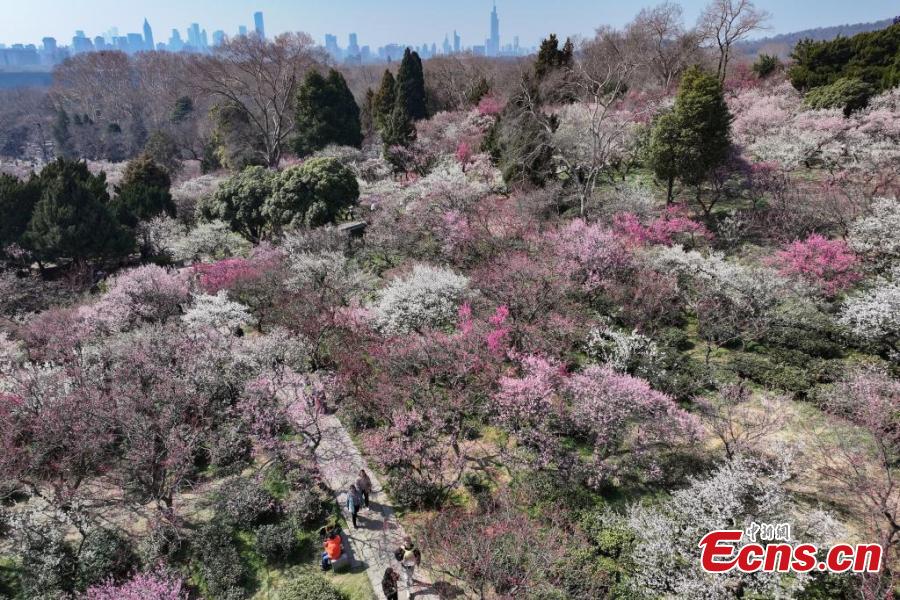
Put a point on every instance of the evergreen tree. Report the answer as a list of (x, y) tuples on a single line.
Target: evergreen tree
[(398, 129), (385, 99), (550, 57), (143, 193), (326, 113), (520, 143), (694, 138), (184, 106), (72, 219), (411, 85), (367, 114), (17, 200), (61, 135)]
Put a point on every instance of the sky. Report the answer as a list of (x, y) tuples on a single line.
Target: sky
[(379, 22)]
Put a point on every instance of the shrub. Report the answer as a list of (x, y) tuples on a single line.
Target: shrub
[(310, 587), (229, 451), (217, 312), (276, 542), (308, 505), (243, 503), (219, 561), (104, 555), (848, 94), (47, 565)]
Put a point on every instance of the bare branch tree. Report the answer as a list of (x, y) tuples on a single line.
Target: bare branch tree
[(725, 22), (670, 49), (259, 78)]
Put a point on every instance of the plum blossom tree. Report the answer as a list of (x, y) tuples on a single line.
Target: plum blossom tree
[(876, 237), (737, 423), (861, 460), (829, 265), (217, 312), (874, 314), (666, 555), (156, 585), (426, 298), (148, 294)]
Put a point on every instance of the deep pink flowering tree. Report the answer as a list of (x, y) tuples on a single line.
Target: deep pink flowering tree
[(156, 585), (490, 106), (671, 227), (463, 154), (829, 265)]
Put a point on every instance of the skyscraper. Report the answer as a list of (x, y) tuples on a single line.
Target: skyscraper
[(258, 23), (194, 36), (353, 46), (457, 42), (242, 30), (218, 37), (148, 36), (493, 43)]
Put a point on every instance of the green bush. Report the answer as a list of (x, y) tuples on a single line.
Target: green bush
[(244, 503), (47, 566), (218, 560), (310, 587), (229, 451), (848, 94), (104, 555), (278, 542)]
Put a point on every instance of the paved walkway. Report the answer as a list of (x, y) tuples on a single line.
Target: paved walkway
[(379, 532)]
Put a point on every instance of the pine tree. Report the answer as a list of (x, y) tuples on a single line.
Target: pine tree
[(73, 219), (367, 113), (326, 113), (61, 134), (550, 57), (411, 85), (694, 138), (385, 99), (398, 128)]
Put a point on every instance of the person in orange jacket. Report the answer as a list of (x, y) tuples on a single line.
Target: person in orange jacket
[(333, 550)]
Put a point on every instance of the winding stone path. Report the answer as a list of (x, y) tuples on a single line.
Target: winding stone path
[(372, 545)]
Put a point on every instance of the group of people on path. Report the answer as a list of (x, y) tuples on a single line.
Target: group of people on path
[(407, 555)]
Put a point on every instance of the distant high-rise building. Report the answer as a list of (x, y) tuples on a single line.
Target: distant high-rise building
[(81, 43), (49, 44), (204, 40), (194, 36), (457, 43), (218, 38), (175, 41), (100, 43), (492, 46), (353, 46), (258, 24), (242, 30), (331, 46), (149, 44), (135, 42), (446, 46)]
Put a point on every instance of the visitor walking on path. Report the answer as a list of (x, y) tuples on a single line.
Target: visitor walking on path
[(410, 558), (354, 501), (364, 485), (389, 584)]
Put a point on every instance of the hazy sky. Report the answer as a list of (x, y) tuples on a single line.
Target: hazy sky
[(378, 22)]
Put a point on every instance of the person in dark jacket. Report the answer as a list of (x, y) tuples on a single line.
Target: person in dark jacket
[(389, 584), (354, 502), (364, 485)]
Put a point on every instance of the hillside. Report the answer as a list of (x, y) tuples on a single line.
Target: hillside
[(783, 43)]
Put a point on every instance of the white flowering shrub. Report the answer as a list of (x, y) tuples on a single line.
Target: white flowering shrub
[(217, 312), (666, 556), (623, 351), (209, 241), (876, 237), (426, 298), (874, 315)]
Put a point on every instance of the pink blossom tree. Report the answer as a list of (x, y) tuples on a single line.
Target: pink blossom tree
[(829, 265), (156, 585)]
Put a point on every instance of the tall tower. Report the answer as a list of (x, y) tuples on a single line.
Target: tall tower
[(493, 48), (258, 24), (148, 36)]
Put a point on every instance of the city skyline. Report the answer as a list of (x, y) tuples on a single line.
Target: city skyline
[(380, 25), (198, 39)]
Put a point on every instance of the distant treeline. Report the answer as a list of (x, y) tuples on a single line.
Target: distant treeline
[(788, 40)]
